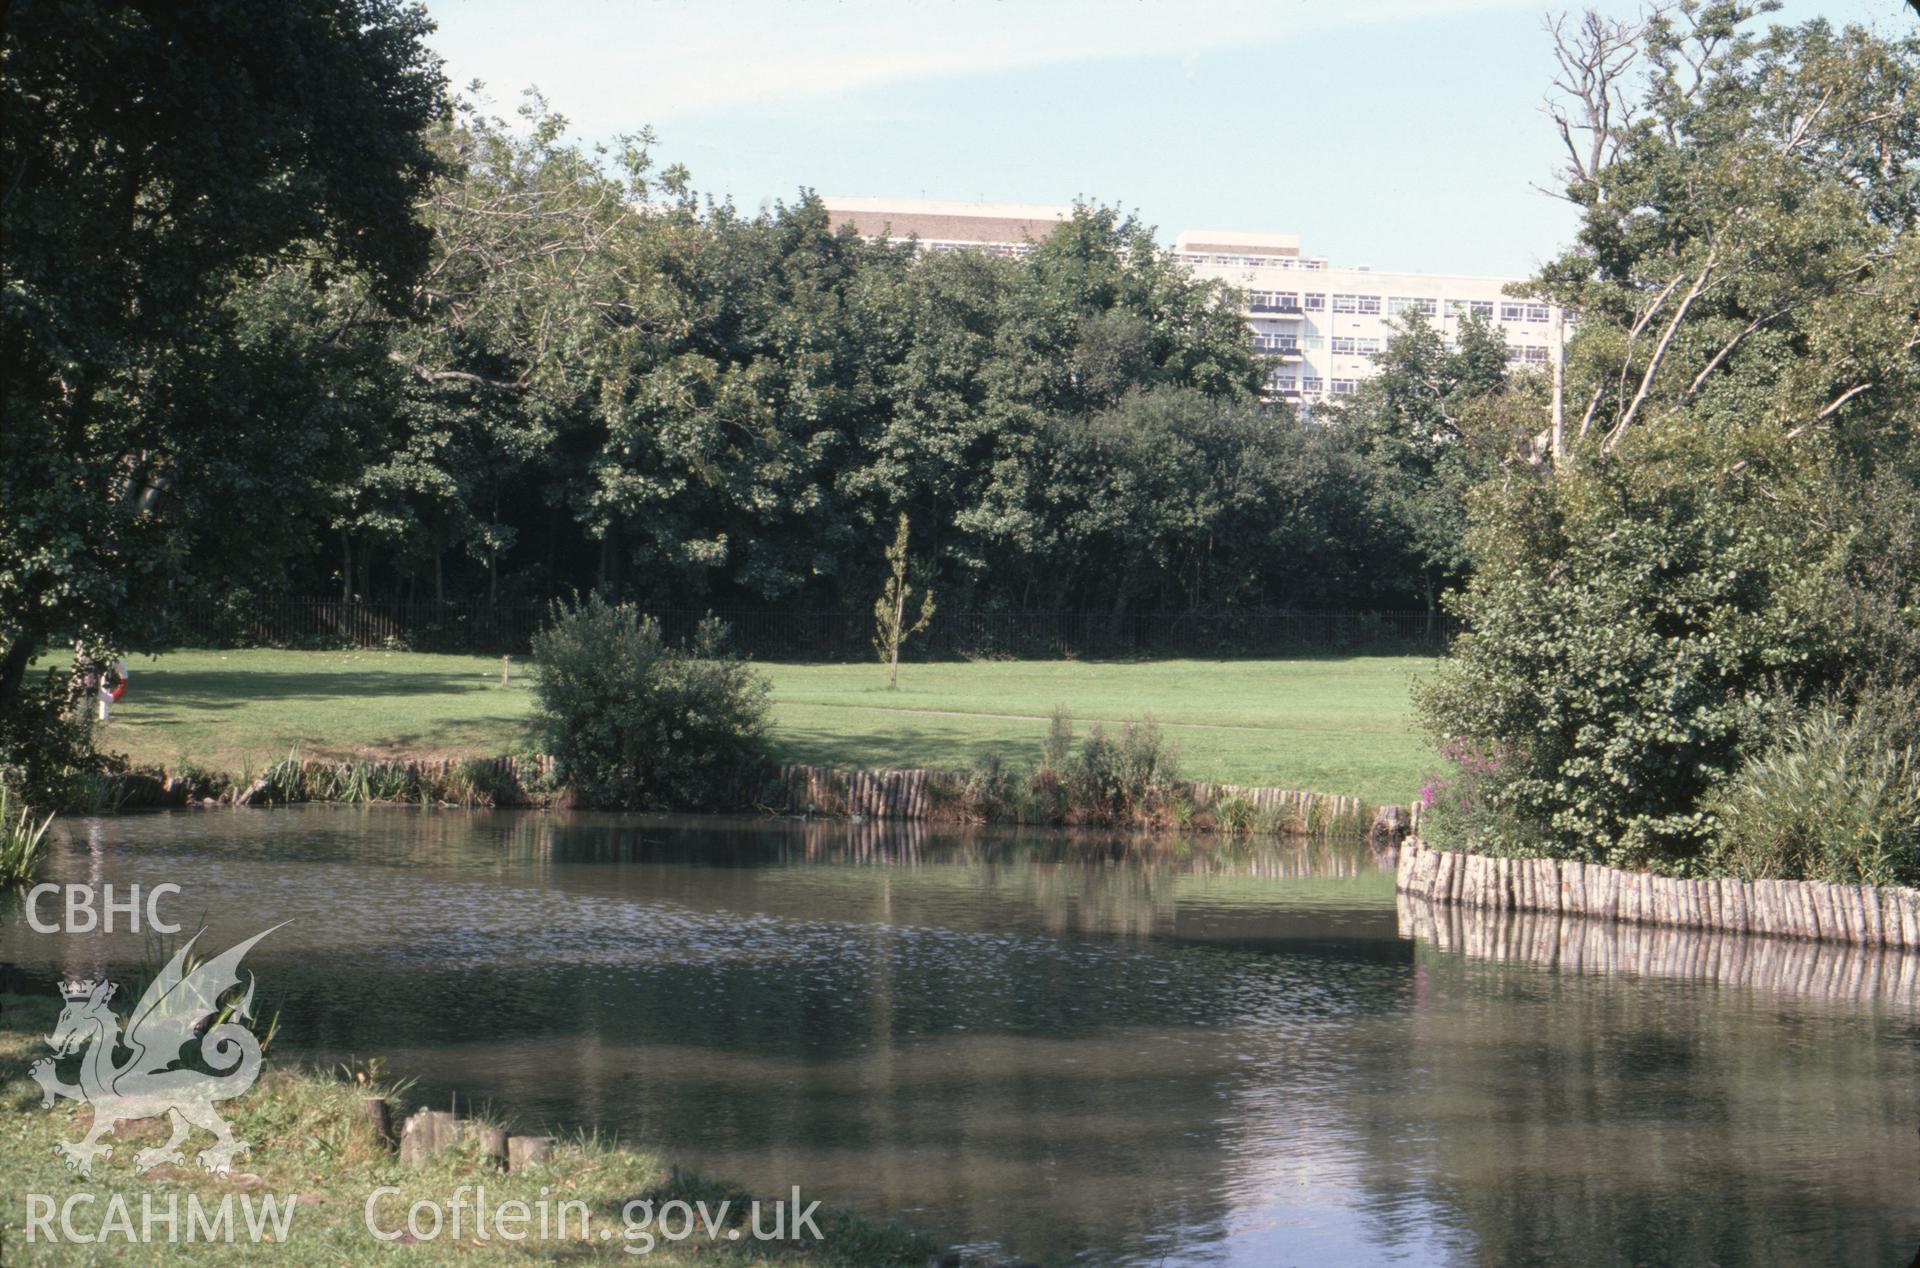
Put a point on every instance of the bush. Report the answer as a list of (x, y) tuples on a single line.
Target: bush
[(1629, 635), (633, 722), (1644, 638), (1058, 746), (1126, 777), (47, 756), (1831, 799)]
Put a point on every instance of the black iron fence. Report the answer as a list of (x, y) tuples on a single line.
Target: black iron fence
[(792, 634)]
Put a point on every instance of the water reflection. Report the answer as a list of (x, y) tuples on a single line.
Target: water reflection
[(1852, 977), (1666, 1070), (1072, 1046)]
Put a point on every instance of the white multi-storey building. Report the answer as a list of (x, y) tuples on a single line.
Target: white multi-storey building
[(1320, 326), (1323, 325)]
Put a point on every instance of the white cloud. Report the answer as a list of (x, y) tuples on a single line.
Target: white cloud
[(610, 65)]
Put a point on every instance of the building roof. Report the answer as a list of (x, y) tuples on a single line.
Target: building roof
[(943, 221), (1237, 241)]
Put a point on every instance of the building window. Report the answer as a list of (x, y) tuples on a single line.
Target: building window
[(1342, 346), (1368, 304), (1367, 347), (1399, 304), (1342, 387), (1313, 303), (1478, 307), (1281, 382), (1523, 312), (1309, 383), (1275, 343), (1314, 342), (1536, 355), (1273, 302)]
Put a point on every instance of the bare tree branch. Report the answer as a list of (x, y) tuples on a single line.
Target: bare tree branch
[(1828, 412), (1726, 349), (1589, 106), (1586, 419), (1660, 353), (1832, 407), (425, 375)]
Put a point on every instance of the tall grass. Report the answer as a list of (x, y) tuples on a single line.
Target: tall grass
[(22, 844), (1832, 799), (466, 783), (1126, 779)]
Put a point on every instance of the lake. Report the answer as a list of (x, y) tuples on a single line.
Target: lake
[(1114, 1050)]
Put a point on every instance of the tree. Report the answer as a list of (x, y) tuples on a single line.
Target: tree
[(891, 630), (1175, 500), (160, 159), (1429, 426), (1698, 568)]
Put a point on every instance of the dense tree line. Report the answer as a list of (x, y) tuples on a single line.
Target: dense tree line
[(330, 330), (607, 383)]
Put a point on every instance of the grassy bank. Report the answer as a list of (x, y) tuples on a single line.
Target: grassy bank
[(309, 1140), (1337, 724)]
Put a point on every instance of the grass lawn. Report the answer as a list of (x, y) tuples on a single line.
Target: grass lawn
[(1334, 724), (309, 1145)]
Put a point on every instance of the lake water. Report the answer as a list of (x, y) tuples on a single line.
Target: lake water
[(1066, 1048)]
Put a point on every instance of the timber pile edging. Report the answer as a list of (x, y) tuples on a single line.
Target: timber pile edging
[(909, 794), (1887, 915)]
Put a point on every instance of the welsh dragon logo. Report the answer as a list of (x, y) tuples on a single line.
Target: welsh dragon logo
[(152, 1081)]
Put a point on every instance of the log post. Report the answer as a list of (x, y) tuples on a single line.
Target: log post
[(379, 1116), (525, 1151), (426, 1133), (493, 1141)]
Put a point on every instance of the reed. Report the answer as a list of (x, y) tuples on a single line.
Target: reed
[(22, 842)]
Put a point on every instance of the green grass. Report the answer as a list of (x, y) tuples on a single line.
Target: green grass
[(1333, 724), (1338, 725), (307, 1139)]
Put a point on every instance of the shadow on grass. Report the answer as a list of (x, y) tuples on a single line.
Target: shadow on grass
[(231, 689), (904, 747)]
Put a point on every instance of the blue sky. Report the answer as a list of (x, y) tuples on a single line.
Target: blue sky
[(1400, 134)]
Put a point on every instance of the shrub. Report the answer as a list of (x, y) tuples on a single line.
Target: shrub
[(47, 755), (1628, 632), (1058, 746), (1125, 777), (635, 722), (1831, 799)]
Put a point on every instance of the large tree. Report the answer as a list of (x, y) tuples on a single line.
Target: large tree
[(1716, 544), (160, 161)]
